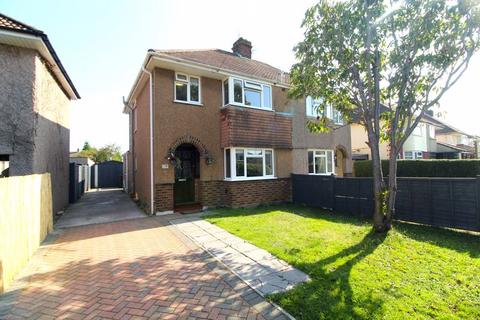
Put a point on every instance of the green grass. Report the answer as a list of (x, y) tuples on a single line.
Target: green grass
[(414, 272)]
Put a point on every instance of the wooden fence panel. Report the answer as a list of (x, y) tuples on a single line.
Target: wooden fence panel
[(25, 220), (442, 202)]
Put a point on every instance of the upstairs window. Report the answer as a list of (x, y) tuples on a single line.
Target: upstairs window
[(313, 110), (247, 93), (248, 163), (187, 88), (320, 162), (431, 131)]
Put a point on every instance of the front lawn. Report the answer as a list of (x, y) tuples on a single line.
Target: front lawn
[(413, 272)]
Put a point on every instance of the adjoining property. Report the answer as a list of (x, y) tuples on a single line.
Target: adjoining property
[(216, 128), (35, 93)]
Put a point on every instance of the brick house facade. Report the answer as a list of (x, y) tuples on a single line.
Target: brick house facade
[(216, 128)]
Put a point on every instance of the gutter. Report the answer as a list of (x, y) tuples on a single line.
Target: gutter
[(152, 200)]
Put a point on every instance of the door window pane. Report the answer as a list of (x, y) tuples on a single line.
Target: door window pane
[(237, 91), (268, 163), (194, 85), (240, 162), (253, 98), (254, 167), (181, 91)]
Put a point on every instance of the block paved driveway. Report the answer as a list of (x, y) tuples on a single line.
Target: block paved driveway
[(133, 269)]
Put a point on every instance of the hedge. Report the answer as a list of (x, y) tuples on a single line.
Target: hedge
[(423, 168)]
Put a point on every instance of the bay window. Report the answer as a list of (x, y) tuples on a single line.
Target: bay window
[(187, 88), (247, 93), (320, 162), (248, 163)]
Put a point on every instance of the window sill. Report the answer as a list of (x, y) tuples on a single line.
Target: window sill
[(250, 179), (189, 103), (249, 107)]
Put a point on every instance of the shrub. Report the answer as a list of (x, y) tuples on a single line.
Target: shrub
[(423, 168)]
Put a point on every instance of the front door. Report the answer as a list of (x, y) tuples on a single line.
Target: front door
[(186, 170)]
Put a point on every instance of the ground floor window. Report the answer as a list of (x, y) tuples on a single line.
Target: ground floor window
[(248, 163), (320, 162), (412, 155)]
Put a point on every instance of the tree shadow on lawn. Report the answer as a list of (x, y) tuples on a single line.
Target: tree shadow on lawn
[(459, 241), (329, 294)]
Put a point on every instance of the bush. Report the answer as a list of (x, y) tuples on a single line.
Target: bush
[(423, 168)]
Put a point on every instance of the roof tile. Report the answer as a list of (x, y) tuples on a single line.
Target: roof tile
[(229, 61)]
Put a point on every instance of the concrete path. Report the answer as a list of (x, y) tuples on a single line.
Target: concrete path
[(261, 270), (131, 269), (100, 206)]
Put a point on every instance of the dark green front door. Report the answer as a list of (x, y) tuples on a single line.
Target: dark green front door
[(186, 170)]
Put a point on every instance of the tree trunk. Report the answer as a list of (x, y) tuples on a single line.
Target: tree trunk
[(392, 188), (379, 224)]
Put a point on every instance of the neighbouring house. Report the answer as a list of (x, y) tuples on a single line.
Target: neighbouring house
[(216, 128), (35, 93), (431, 139), (453, 143)]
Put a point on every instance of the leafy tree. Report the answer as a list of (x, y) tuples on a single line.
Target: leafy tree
[(106, 153), (384, 64), (86, 146)]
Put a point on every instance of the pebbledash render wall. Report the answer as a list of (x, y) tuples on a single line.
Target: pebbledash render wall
[(34, 114), (176, 123)]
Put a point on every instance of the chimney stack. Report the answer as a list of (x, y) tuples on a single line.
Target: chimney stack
[(242, 48)]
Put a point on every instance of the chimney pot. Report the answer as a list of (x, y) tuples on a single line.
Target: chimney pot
[(243, 48)]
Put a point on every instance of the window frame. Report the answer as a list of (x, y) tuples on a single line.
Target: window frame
[(315, 156), (414, 155), (329, 111), (248, 84), (233, 163), (188, 83)]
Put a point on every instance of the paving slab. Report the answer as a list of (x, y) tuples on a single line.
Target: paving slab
[(257, 267)]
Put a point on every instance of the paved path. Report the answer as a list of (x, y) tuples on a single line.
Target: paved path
[(261, 270), (133, 269), (100, 206)]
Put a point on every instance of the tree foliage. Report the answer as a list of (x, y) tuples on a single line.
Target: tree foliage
[(105, 153), (384, 64)]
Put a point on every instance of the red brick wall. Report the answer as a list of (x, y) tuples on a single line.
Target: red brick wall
[(230, 193), (163, 197), (255, 192), (255, 128)]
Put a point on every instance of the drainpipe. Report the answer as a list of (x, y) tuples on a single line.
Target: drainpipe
[(152, 200)]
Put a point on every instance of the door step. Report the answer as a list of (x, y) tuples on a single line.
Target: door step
[(188, 208)]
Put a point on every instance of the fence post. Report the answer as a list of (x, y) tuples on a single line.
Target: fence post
[(478, 202)]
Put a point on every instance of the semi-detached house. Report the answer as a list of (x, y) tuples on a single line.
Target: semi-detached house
[(216, 128)]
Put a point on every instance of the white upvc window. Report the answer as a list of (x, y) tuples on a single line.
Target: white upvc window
[(418, 131), (249, 163), (247, 93), (187, 88), (320, 162), (313, 110), (431, 131), (413, 155)]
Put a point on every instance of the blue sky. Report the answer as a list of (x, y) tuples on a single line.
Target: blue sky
[(103, 43)]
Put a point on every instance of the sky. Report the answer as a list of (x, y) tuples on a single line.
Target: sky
[(102, 45)]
